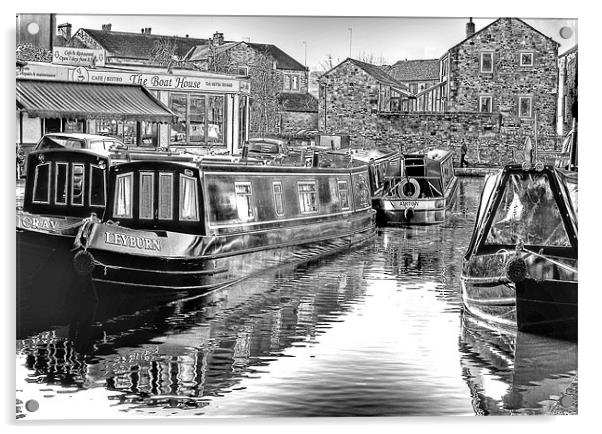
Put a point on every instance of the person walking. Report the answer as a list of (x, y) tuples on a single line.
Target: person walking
[(463, 152)]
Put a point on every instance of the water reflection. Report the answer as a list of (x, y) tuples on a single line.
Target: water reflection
[(371, 331), (514, 373)]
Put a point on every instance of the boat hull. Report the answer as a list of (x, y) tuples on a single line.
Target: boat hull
[(227, 261), (421, 211), (548, 307)]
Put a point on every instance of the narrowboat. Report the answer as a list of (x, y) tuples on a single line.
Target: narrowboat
[(422, 194), (520, 269), (206, 225), (67, 180)]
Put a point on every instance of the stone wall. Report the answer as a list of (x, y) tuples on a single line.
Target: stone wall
[(489, 144), (348, 104), (507, 38), (568, 63), (291, 122)]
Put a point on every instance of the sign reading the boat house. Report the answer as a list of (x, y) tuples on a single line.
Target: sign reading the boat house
[(161, 81)]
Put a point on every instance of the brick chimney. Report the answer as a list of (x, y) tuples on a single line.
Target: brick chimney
[(218, 38), (64, 30), (107, 27), (146, 30), (469, 28)]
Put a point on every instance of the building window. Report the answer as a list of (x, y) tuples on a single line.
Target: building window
[(294, 82), (343, 194), (189, 206), (165, 196), (486, 104), (200, 119), (244, 200), (525, 106), (444, 68), (308, 198), (77, 184), (526, 59), (278, 201), (146, 205), (123, 196), (487, 63)]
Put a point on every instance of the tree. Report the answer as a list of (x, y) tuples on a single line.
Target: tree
[(164, 52), (31, 53), (328, 63), (264, 90), (372, 58)]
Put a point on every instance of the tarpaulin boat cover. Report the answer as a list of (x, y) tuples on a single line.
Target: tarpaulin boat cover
[(73, 100)]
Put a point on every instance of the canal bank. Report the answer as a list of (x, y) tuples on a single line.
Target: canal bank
[(568, 402)]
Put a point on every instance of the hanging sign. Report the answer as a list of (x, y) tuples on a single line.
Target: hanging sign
[(78, 56)]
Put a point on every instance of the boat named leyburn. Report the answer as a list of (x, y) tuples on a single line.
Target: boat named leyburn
[(421, 193), (200, 226), (520, 270)]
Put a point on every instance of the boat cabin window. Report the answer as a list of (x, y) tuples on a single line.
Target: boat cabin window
[(308, 198), (165, 196), (278, 202), (123, 196), (58, 142), (41, 184), (98, 187), (528, 212), (244, 200), (61, 183), (343, 194), (189, 204), (77, 184), (146, 196)]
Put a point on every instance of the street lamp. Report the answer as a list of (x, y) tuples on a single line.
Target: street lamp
[(305, 46), (350, 38)]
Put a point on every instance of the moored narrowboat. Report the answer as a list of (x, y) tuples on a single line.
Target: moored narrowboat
[(520, 269), (421, 193), (200, 226)]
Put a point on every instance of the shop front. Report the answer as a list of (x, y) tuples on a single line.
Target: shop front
[(211, 110)]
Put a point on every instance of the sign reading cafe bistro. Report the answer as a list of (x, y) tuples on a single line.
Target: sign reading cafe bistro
[(160, 81)]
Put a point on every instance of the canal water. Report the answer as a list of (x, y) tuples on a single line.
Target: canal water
[(378, 330)]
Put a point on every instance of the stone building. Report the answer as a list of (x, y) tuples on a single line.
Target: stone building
[(507, 67), (567, 90), (417, 75), (280, 99), (490, 87), (352, 94)]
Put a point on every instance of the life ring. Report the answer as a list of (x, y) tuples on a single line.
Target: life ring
[(401, 187)]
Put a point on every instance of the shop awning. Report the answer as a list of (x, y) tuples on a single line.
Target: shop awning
[(73, 100)]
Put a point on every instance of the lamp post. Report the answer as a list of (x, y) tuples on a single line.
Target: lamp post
[(350, 39), (305, 47)]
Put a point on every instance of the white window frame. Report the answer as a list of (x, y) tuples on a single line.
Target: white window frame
[(56, 183), (194, 218), (294, 82), (35, 185), (530, 98), (128, 214), (161, 216), (481, 98), (83, 187), (281, 195), (301, 194), (346, 190), (520, 57), (104, 186), (251, 200), (483, 54), (142, 174)]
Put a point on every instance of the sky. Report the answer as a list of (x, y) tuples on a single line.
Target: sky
[(318, 37)]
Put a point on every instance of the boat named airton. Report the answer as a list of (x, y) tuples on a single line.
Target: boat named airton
[(200, 226), (421, 193)]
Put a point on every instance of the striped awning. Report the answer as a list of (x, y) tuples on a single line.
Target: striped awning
[(73, 100)]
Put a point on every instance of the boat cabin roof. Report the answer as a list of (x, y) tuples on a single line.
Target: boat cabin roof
[(530, 207)]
